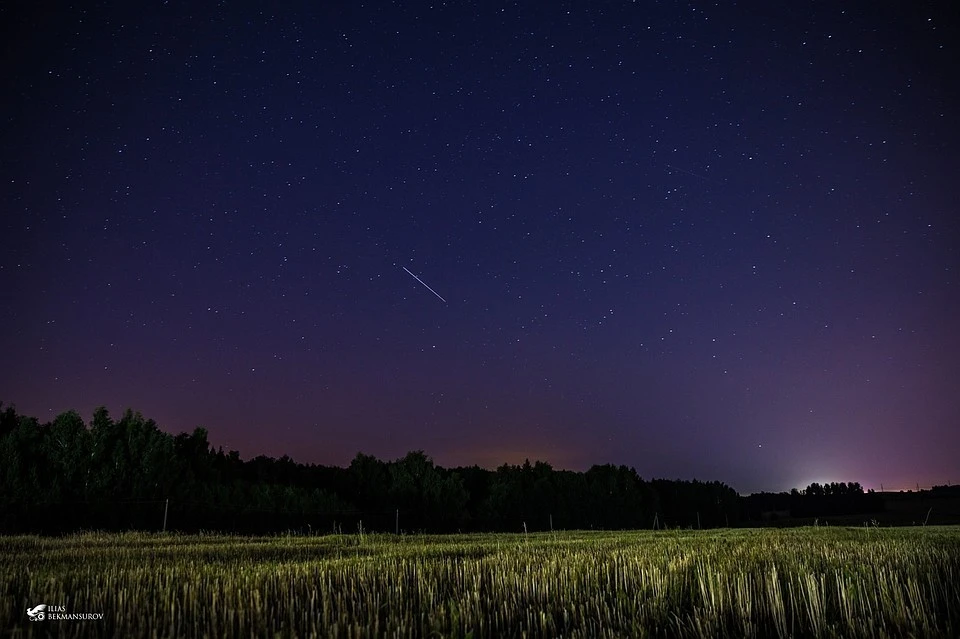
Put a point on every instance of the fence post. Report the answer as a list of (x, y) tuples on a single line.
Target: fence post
[(166, 507)]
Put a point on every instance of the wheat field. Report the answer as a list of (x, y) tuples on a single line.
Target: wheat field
[(805, 582)]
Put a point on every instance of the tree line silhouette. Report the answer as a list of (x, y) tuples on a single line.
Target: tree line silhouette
[(128, 474)]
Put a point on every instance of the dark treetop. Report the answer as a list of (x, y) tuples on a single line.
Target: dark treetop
[(120, 474)]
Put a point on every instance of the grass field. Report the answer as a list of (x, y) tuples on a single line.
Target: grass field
[(843, 582)]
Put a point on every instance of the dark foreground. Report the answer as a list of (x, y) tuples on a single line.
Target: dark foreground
[(843, 582)]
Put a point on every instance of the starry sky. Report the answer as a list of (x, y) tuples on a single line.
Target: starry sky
[(706, 241)]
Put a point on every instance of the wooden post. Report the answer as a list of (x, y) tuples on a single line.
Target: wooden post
[(396, 524), (166, 507), (551, 522), (698, 520)]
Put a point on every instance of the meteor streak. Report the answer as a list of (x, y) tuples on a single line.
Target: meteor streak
[(424, 283)]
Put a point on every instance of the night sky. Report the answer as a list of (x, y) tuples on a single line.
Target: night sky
[(713, 242)]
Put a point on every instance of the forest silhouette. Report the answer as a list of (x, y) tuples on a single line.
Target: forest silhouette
[(127, 474)]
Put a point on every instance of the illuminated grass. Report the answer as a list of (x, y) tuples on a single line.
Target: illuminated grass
[(765, 583)]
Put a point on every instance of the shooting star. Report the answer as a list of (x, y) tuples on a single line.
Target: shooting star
[(424, 283)]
